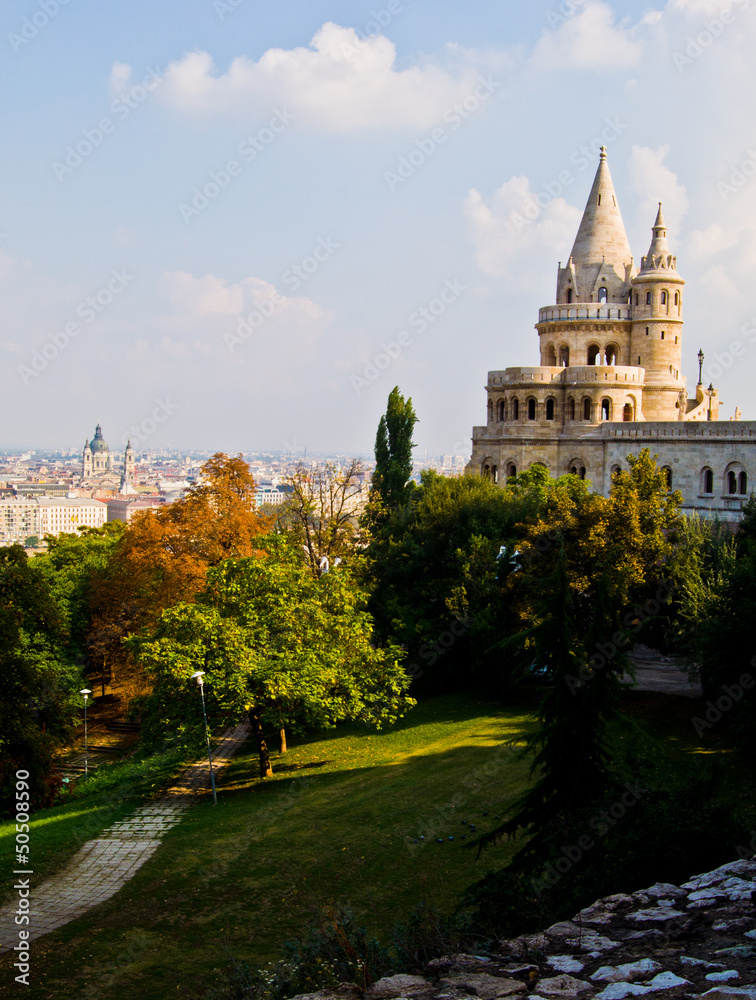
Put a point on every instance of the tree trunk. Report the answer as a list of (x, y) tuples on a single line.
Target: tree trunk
[(266, 771), (283, 740)]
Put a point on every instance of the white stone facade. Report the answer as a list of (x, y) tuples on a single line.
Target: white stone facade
[(610, 382)]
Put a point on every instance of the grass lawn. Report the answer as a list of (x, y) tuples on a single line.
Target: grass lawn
[(337, 823)]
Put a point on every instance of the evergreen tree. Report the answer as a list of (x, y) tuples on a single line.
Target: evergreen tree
[(393, 451)]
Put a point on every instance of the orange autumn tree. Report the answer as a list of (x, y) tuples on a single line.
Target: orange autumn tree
[(164, 554)]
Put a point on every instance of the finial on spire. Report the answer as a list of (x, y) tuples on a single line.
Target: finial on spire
[(603, 153)]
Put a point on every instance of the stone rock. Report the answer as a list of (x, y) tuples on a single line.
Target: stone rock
[(722, 977), (565, 928), (565, 963), (726, 992), (618, 991), (460, 962), (667, 980), (590, 941), (659, 915), (484, 986), (700, 963), (665, 890), (562, 986), (629, 972), (397, 986)]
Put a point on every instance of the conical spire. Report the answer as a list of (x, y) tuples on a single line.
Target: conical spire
[(658, 253), (602, 235)]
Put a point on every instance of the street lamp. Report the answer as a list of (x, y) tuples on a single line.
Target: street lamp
[(197, 675), (86, 692), (700, 366)]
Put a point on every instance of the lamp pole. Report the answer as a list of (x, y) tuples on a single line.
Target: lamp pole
[(198, 677), (86, 692), (700, 366)]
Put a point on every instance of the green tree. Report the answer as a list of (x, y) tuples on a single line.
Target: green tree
[(287, 648), (588, 561), (393, 452), (38, 680)]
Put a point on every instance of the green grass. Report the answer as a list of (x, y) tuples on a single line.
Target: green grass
[(335, 824), (110, 793)]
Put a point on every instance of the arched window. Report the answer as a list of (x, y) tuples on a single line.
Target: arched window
[(742, 483), (549, 409), (502, 410), (611, 354), (627, 412), (581, 473), (664, 298), (586, 409), (606, 409), (707, 481), (677, 298), (603, 295), (569, 295), (511, 471), (636, 298), (531, 409), (490, 411), (616, 470), (571, 408), (495, 473), (732, 483), (551, 356), (668, 476), (594, 354), (648, 298), (487, 471), (564, 356), (515, 409)]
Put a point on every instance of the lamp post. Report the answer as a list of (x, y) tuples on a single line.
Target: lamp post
[(198, 675), (86, 692), (700, 366)]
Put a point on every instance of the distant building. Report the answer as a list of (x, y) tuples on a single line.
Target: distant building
[(275, 495), (21, 518), (123, 508), (98, 466)]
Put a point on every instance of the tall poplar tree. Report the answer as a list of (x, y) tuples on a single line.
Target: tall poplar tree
[(393, 451)]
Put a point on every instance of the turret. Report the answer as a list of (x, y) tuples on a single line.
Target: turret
[(656, 339)]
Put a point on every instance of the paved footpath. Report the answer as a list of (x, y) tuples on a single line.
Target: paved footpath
[(99, 869)]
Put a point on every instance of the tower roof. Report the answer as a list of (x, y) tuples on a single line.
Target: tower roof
[(602, 235), (659, 254), (98, 443)]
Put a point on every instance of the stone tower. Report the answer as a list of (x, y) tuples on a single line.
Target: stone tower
[(656, 339)]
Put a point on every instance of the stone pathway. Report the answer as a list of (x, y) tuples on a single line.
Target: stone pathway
[(99, 869), (656, 672)]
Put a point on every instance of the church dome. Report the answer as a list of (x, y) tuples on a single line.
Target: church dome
[(98, 443)]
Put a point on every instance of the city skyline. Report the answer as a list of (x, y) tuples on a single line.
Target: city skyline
[(255, 221)]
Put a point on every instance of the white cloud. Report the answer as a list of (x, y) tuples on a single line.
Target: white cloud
[(653, 181), (520, 231), (340, 82), (120, 75), (589, 40)]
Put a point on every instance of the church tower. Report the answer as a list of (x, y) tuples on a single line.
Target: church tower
[(86, 463), (656, 340)]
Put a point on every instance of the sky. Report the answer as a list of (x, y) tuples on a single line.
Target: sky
[(235, 225)]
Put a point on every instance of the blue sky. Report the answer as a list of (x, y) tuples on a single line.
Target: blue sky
[(351, 180)]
